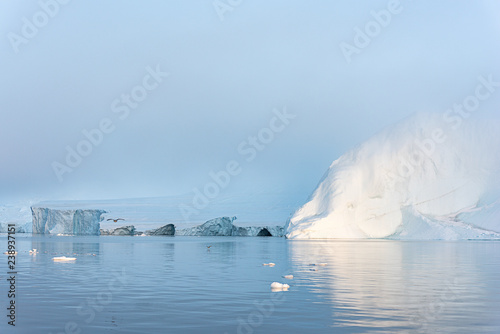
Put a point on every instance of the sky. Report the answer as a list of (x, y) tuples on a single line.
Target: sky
[(126, 99)]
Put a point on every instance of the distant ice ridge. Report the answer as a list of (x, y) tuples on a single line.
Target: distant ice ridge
[(253, 208), (18, 214), (223, 226), (20, 228), (423, 178)]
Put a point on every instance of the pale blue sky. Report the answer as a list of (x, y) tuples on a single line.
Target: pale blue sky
[(225, 78)]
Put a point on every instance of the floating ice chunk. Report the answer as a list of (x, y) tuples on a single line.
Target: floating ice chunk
[(64, 259), (270, 264), (288, 276), (276, 286)]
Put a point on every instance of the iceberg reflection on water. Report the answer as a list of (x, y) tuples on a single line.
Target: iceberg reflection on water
[(357, 285)]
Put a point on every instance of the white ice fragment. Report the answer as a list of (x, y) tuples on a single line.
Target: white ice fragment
[(276, 286), (64, 259), (288, 276), (270, 264)]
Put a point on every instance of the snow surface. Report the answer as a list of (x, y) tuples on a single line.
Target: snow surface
[(420, 179)]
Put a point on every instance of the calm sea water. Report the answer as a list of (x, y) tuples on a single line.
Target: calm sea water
[(178, 285)]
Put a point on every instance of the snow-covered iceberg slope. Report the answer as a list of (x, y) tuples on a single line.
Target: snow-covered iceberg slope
[(423, 178), (60, 221)]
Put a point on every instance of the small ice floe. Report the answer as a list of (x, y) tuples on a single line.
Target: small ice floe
[(7, 253), (322, 264), (270, 264), (33, 251), (288, 276), (276, 286), (63, 259)]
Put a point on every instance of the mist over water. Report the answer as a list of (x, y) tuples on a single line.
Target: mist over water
[(164, 134)]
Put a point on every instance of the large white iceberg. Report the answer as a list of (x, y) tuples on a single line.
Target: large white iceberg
[(423, 178)]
